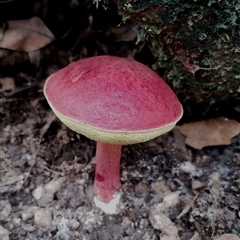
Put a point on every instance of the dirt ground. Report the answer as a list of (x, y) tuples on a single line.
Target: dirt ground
[(169, 190)]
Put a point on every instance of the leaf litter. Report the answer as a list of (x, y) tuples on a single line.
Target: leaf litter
[(212, 132), (26, 35)]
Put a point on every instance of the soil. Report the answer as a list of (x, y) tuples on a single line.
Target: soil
[(169, 190)]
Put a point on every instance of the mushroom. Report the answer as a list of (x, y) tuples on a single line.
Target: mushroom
[(114, 101)]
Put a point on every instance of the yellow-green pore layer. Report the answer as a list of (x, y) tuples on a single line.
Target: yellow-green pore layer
[(113, 137)]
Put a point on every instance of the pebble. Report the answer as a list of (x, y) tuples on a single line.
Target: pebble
[(170, 233), (146, 236), (7, 208), (143, 223), (142, 188), (76, 201), (42, 217), (190, 169), (38, 192), (57, 207), (161, 221), (158, 219), (28, 227), (126, 221), (4, 233), (44, 194), (14, 202), (161, 188), (27, 190), (171, 200), (63, 229), (26, 213), (10, 226), (226, 236), (88, 218), (17, 222), (45, 199), (54, 185), (73, 224)]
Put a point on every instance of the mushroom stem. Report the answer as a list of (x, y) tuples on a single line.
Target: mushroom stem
[(107, 173)]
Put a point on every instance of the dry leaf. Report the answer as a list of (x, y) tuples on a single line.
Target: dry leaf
[(34, 57), (7, 84), (126, 32), (188, 207), (8, 58), (226, 237), (197, 186), (26, 35), (210, 132)]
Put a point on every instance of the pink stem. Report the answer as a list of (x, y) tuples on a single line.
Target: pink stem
[(107, 173)]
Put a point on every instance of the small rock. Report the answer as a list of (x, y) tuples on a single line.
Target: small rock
[(142, 188), (6, 210), (17, 222), (54, 185), (158, 219), (88, 218), (76, 201), (170, 200), (10, 226), (161, 188), (42, 217), (14, 202), (11, 182), (190, 169), (146, 236), (28, 227), (170, 233), (57, 207), (45, 199), (38, 192), (4, 233), (26, 213), (226, 237), (126, 221), (27, 190), (73, 224), (63, 229)]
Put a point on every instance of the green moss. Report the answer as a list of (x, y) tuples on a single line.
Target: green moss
[(199, 44)]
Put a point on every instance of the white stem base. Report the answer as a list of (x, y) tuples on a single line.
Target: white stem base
[(111, 207)]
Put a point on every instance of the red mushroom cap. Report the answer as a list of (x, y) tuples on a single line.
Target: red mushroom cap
[(112, 99)]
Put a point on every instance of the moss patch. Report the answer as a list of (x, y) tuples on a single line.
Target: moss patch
[(199, 46)]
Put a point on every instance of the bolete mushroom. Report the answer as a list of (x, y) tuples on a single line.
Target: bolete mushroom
[(114, 101)]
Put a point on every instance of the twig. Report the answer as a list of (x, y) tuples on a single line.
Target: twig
[(187, 207)]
